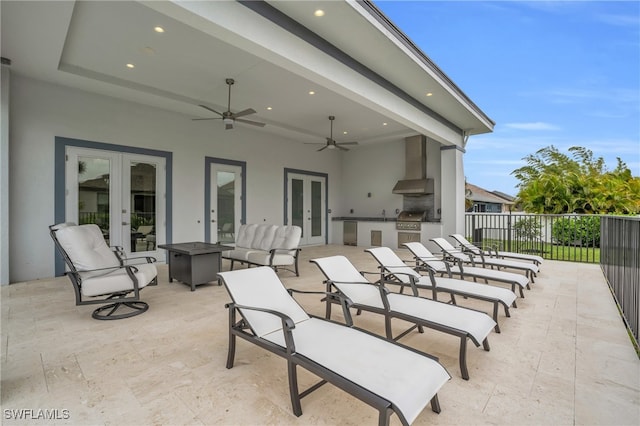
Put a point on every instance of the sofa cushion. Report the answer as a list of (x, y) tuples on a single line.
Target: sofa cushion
[(263, 238), (238, 254), (262, 258), (119, 280), (287, 237), (245, 235)]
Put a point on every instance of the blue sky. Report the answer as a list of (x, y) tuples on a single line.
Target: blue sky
[(562, 73)]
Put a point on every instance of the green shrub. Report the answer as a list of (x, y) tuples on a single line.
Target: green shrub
[(579, 231)]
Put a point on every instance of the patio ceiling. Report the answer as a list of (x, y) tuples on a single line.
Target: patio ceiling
[(86, 45)]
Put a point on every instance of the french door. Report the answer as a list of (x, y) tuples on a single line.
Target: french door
[(225, 209), (124, 194), (306, 206)]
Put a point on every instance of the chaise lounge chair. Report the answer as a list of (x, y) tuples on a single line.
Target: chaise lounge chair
[(466, 324), (392, 266), (485, 261), (386, 375), (424, 258), (537, 260)]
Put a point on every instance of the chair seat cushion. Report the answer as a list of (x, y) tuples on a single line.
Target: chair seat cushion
[(118, 280), (506, 296), (262, 258), (494, 274), (477, 324), (238, 253), (508, 263), (406, 378), (523, 256)]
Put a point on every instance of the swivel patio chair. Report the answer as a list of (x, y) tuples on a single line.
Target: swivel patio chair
[(468, 246), (100, 275), (465, 324), (395, 271), (483, 261), (383, 374), (449, 266)]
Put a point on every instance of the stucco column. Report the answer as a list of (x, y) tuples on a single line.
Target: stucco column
[(452, 202), (4, 174)]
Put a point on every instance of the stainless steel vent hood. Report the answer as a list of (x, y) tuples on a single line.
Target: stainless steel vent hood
[(415, 181)]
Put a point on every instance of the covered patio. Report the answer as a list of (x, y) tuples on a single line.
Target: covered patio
[(563, 358)]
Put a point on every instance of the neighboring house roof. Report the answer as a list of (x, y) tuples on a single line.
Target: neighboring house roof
[(475, 193)]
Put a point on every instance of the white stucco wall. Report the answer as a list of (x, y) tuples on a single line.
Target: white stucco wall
[(41, 111)]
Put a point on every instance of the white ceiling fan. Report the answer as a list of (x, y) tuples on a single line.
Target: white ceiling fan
[(228, 117), (331, 143)]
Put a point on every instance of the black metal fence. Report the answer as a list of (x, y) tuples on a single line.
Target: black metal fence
[(569, 237), (611, 241), (620, 262)]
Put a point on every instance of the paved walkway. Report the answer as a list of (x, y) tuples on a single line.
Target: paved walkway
[(563, 358)]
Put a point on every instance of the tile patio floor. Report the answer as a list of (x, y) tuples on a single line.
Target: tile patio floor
[(563, 358)]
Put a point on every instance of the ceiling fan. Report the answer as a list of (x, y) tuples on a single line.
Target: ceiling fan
[(331, 143), (228, 117)]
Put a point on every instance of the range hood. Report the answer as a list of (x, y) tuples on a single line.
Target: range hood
[(415, 181)]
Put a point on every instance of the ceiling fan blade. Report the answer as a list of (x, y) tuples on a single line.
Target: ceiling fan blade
[(245, 112), (210, 109), (212, 118), (315, 143), (253, 123), (347, 143), (341, 148), (323, 148)]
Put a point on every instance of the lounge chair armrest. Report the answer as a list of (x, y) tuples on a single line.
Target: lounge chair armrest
[(345, 302), (287, 322), (284, 250), (412, 279)]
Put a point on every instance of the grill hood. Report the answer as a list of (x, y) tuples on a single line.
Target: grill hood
[(415, 181)]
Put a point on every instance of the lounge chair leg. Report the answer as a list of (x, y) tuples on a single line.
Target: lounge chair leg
[(495, 317), (485, 344), (231, 354), (231, 267), (506, 311), (435, 404), (293, 389), (514, 304), (463, 358), (385, 417), (387, 328)]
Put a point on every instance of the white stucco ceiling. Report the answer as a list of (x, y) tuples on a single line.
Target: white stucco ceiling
[(86, 45)]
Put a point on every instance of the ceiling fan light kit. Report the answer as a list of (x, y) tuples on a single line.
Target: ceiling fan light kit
[(228, 117)]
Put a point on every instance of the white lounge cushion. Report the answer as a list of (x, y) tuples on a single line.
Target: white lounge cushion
[(287, 237), (529, 257), (406, 378), (477, 324), (506, 296)]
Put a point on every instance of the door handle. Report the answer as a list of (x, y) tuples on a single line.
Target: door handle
[(124, 223)]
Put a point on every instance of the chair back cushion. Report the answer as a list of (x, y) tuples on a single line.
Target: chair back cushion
[(342, 272), (392, 263), (245, 235), (423, 253), (87, 249), (261, 288), (287, 237)]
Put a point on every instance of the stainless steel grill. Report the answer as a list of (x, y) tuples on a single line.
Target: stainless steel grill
[(410, 220)]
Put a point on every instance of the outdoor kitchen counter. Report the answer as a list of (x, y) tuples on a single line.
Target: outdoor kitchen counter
[(387, 229)]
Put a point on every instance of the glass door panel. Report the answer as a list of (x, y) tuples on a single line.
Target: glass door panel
[(94, 192), (306, 207), (226, 202), (142, 205)]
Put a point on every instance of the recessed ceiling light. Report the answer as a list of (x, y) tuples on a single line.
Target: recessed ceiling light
[(429, 94), (158, 29), (319, 13), (311, 92), (269, 108), (345, 132), (130, 66), (384, 124)]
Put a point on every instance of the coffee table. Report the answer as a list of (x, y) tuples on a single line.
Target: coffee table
[(194, 263)]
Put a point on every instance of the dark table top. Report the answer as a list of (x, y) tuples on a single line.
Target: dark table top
[(195, 248)]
